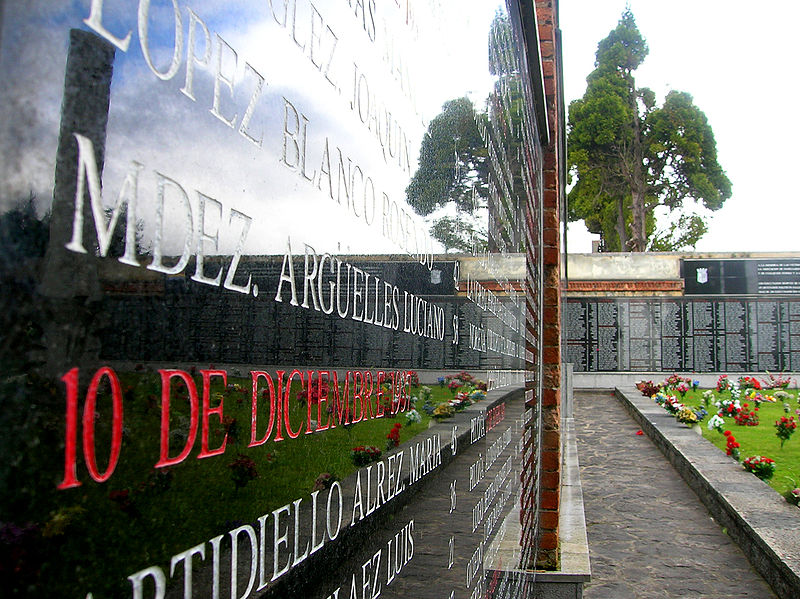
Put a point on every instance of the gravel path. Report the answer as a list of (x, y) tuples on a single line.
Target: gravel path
[(649, 535)]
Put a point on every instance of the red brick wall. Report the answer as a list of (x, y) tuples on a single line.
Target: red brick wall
[(549, 484)]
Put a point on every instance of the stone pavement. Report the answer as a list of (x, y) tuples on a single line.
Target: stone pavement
[(649, 534)]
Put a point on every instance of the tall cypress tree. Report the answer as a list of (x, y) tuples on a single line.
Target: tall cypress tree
[(627, 156)]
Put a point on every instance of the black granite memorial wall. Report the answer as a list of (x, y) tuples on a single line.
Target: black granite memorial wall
[(238, 353), (709, 334)]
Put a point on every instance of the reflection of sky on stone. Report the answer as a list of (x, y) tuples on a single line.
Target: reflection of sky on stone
[(152, 122)]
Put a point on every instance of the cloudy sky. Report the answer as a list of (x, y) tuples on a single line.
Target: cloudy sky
[(739, 63), (255, 109)]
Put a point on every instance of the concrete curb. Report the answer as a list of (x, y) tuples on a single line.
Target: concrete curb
[(759, 520)]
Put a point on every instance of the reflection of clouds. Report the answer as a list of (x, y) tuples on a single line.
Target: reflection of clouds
[(32, 65), (154, 123)]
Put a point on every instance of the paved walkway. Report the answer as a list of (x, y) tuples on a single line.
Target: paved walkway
[(649, 535)]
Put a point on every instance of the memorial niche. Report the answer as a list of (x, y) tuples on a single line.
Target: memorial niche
[(217, 293), (703, 335)]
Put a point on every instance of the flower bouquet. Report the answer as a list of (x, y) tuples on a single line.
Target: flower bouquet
[(413, 416), (425, 393), (363, 455), (443, 410), (672, 405), (460, 403), (686, 416), (413, 378), (728, 407), (746, 417), (749, 382), (731, 445), (648, 388), (700, 412), (763, 467), (785, 428), (716, 422), (393, 438), (477, 395), (324, 481), (673, 380), (776, 382), (243, 470)]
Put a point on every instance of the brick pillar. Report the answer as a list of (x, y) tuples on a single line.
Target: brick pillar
[(550, 481)]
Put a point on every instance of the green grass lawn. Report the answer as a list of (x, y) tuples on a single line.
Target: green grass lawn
[(761, 439)]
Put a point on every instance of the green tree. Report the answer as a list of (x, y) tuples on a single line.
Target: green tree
[(453, 174), (627, 156)]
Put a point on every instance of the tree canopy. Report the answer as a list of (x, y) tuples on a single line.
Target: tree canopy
[(628, 156), (453, 171)]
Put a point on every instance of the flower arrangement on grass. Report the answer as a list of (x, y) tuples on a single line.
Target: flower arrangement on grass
[(723, 383), (731, 445), (785, 428), (311, 392), (686, 416), (746, 417), (465, 376), (728, 407), (716, 422), (660, 398), (674, 380), (762, 466), (648, 388), (231, 427), (757, 397), (708, 398), (413, 416), (682, 388), (793, 496), (443, 410), (477, 395), (776, 382), (364, 454), (454, 385), (749, 382), (393, 438), (324, 481), (243, 470), (460, 402), (672, 405), (413, 378)]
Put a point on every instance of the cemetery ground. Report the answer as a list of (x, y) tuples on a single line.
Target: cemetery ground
[(649, 535), (743, 421)]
